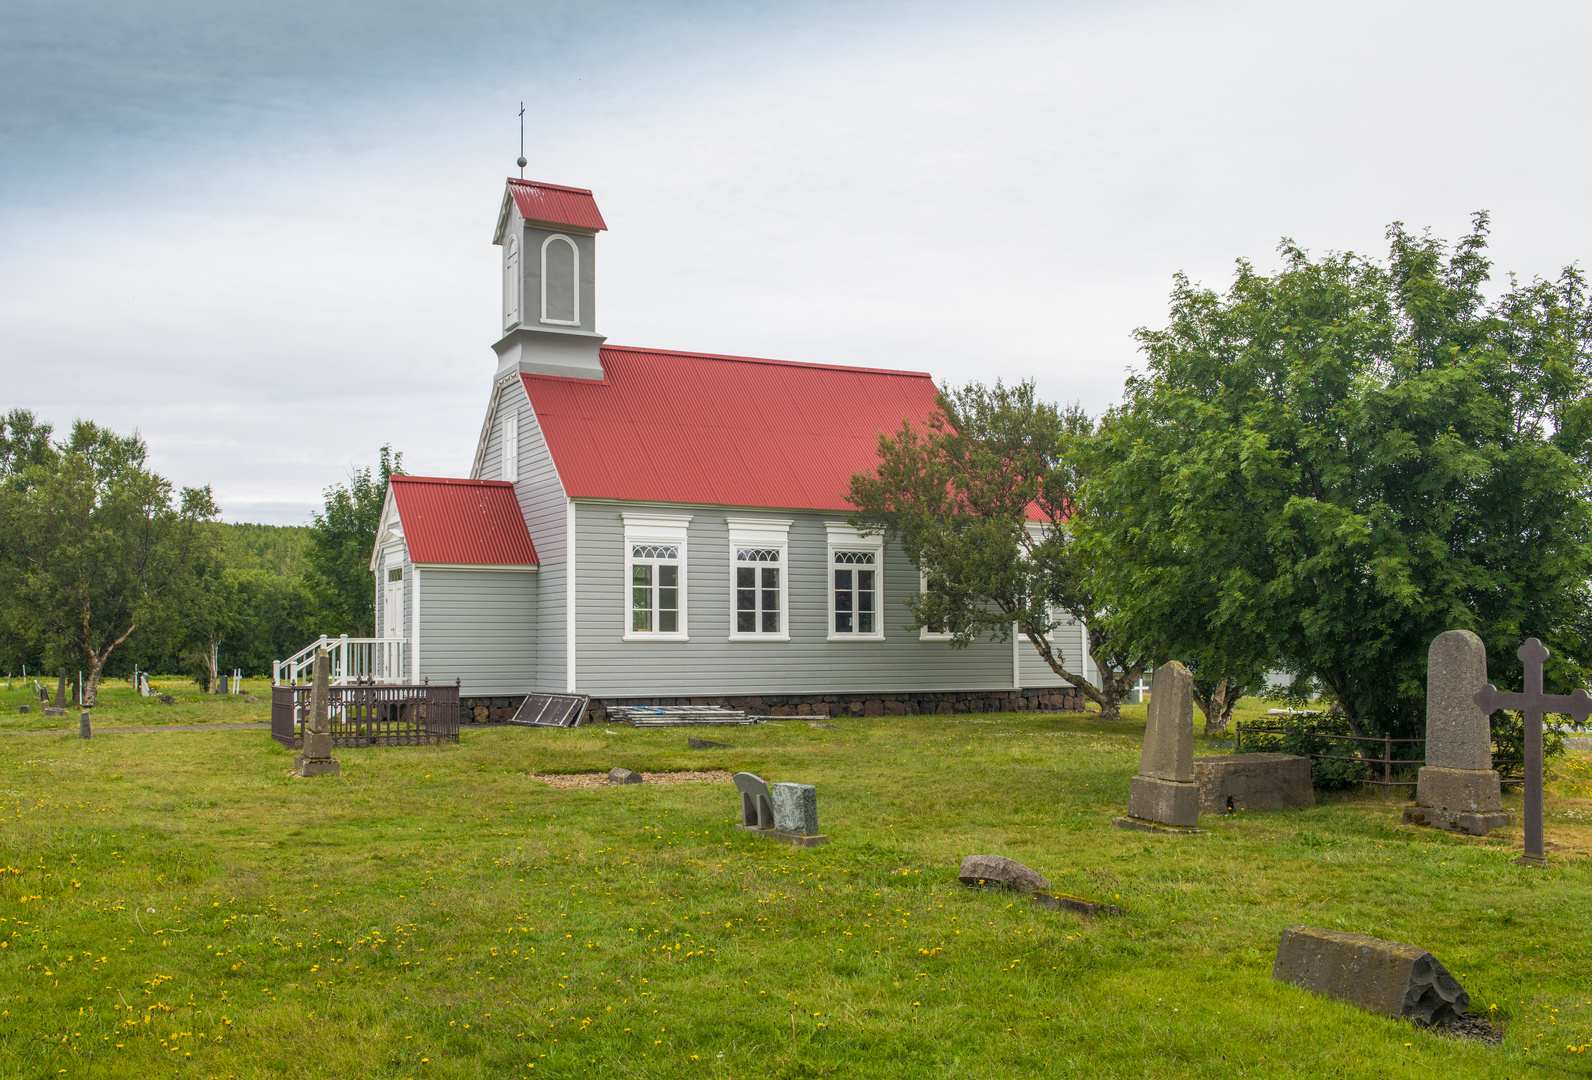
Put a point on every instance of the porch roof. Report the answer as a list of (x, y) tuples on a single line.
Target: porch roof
[(469, 522)]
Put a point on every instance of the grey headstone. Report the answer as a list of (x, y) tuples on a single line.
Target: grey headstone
[(1458, 735), (1254, 782), (1169, 734), (705, 744), (317, 760), (26, 708), (616, 775), (757, 802), (998, 870), (796, 809), (83, 729), (1379, 976), (320, 694), (60, 691)]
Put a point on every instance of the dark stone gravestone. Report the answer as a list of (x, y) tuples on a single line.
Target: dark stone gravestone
[(616, 775), (1532, 704), (83, 729), (983, 870), (1379, 976)]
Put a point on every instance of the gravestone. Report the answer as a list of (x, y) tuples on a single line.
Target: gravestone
[(1457, 789), (786, 813), (83, 729), (980, 870), (1232, 782), (317, 760), (1533, 703), (705, 744), (60, 691), (26, 708), (1164, 796), (1379, 976), (616, 775), (757, 802), (796, 809)]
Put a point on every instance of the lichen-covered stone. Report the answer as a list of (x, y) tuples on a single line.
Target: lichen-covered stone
[(1253, 782), (1379, 976), (795, 808), (616, 775), (1167, 802), (998, 870)]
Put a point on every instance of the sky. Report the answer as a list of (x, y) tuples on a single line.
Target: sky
[(261, 234)]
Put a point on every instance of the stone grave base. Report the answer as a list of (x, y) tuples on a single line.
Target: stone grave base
[(1171, 802), (1253, 782), (54, 712), (303, 766), (1153, 826), (789, 838), (1076, 904), (1379, 976), (1464, 790), (1457, 820)]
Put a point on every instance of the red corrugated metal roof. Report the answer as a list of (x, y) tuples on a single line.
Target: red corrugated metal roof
[(556, 204), (462, 521), (722, 430)]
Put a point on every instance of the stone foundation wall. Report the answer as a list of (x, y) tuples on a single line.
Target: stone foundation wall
[(500, 709), (489, 710), (908, 703)]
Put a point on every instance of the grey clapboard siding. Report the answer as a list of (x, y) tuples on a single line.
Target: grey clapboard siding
[(476, 626), (709, 663), (541, 497), (1067, 642)]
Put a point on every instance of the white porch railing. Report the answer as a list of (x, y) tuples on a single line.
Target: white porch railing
[(379, 660)]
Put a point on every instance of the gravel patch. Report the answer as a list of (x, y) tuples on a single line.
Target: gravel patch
[(1469, 1026)]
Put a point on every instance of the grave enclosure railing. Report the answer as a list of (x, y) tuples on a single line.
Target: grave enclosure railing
[(1387, 760), (371, 714)]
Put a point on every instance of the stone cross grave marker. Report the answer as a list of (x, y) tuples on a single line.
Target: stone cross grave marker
[(1457, 789), (1532, 704), (317, 760), (1164, 795)]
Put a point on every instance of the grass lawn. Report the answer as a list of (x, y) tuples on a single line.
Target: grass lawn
[(174, 904), (120, 706)]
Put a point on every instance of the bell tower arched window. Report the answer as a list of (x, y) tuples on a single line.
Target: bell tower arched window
[(560, 281), (511, 282)]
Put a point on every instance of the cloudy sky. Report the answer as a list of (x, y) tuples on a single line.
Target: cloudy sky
[(261, 234)]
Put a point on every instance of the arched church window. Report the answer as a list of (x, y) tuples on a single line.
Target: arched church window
[(560, 281)]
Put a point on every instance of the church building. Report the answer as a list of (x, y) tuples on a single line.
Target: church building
[(654, 526)]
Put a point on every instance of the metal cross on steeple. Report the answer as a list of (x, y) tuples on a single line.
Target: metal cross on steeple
[(1532, 704), (521, 161)]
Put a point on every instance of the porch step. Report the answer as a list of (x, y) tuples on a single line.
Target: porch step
[(551, 710)]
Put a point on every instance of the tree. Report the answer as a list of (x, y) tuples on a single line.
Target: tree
[(1324, 468), (341, 541), (213, 607), (979, 500), (96, 545)]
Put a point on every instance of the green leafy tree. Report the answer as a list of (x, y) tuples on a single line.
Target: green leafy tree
[(97, 546), (1324, 468), (979, 501), (342, 538), (213, 607)]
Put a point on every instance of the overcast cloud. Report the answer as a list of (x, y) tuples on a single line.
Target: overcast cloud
[(262, 234)]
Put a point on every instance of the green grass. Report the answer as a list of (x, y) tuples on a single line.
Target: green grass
[(176, 905)]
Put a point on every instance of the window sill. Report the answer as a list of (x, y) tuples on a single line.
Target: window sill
[(926, 636), (657, 637), (758, 637), (856, 637), (560, 322)]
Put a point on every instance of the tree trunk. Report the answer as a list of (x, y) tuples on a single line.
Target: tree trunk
[(212, 658), (1218, 705)]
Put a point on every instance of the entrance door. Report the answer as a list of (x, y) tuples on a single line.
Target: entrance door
[(393, 604)]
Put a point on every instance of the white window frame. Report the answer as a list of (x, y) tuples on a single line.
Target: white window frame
[(512, 285), (761, 534), (574, 251), (924, 633), (660, 529), (511, 445), (843, 537)]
